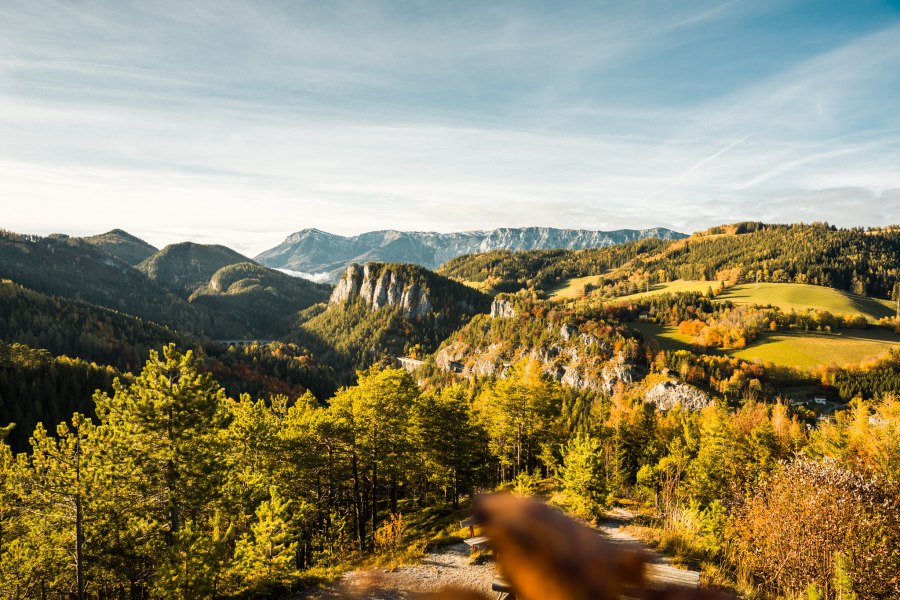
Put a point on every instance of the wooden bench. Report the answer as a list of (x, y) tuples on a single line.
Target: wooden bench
[(480, 542), (503, 589), (476, 542)]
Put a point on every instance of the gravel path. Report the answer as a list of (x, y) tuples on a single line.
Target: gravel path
[(660, 571), (447, 566), (450, 566)]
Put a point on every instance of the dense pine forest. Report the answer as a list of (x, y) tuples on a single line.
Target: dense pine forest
[(36, 386), (75, 328), (185, 423)]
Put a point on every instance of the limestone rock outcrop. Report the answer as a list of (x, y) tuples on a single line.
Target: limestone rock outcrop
[(502, 309), (668, 394), (380, 286)]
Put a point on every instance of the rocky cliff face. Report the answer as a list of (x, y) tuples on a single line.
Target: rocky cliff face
[(380, 286), (502, 309)]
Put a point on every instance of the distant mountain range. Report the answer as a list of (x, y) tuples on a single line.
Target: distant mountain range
[(324, 256)]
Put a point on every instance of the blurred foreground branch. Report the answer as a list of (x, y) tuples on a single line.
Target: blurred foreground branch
[(546, 555)]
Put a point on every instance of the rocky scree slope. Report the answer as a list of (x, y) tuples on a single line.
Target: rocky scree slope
[(590, 354)]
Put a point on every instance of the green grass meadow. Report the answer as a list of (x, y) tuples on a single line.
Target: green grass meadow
[(787, 296), (799, 297), (574, 288), (792, 349)]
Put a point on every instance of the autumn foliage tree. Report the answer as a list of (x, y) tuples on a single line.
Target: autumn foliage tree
[(787, 534)]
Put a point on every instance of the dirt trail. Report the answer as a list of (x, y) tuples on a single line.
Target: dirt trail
[(661, 572), (443, 567), (450, 566)]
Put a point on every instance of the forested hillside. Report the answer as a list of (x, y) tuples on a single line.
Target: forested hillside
[(186, 266), (586, 350), (263, 300), (857, 260), (201, 291), (76, 328), (39, 386), (862, 261), (75, 269), (271, 369), (123, 246), (506, 271), (36, 386)]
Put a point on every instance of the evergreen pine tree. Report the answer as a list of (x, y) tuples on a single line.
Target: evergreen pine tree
[(709, 471), (266, 556), (14, 567), (444, 431), (813, 592), (895, 296), (376, 417), (56, 504), (8, 493), (582, 476), (167, 445)]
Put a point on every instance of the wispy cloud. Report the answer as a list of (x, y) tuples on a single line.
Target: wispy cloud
[(240, 122), (684, 175)]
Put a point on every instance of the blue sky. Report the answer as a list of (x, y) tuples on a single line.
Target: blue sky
[(240, 122)]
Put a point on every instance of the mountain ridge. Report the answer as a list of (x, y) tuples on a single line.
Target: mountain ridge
[(122, 245), (195, 290), (73, 268), (260, 297), (316, 252)]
